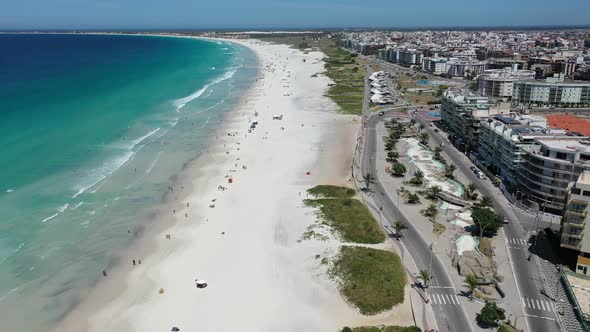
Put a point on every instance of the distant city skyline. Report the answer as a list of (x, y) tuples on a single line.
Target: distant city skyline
[(273, 14)]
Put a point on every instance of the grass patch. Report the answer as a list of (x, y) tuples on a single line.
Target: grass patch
[(485, 246), (350, 218), (382, 329), (438, 229), (328, 191), (373, 280)]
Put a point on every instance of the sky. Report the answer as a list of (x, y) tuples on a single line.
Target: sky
[(269, 14)]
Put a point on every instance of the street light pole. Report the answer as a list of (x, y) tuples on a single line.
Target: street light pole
[(430, 266)]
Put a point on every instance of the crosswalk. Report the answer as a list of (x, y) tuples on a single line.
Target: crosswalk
[(516, 241), (451, 299), (537, 304)]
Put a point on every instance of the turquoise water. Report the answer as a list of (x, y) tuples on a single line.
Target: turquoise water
[(93, 128)]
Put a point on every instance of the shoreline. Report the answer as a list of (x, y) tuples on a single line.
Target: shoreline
[(252, 231)]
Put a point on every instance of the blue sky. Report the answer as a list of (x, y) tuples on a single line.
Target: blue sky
[(161, 14)]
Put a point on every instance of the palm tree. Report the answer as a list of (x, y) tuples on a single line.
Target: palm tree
[(418, 178), (398, 169), (484, 202), (419, 174), (431, 211), (449, 169), (422, 126), (368, 179), (424, 138), (471, 282), (437, 151), (399, 226), (425, 276), (434, 190), (469, 191)]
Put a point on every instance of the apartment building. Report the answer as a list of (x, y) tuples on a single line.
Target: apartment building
[(575, 217), (549, 166), (499, 83), (463, 112), (552, 92), (502, 140)]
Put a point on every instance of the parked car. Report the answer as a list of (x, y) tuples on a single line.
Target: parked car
[(436, 130), (442, 145), (381, 113), (473, 168)]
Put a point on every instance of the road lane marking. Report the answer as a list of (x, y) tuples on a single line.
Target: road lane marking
[(542, 317)]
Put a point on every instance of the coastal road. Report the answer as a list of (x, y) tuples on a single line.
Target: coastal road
[(450, 315), (539, 315)]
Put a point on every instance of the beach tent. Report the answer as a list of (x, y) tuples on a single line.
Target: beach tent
[(175, 329), (201, 283)]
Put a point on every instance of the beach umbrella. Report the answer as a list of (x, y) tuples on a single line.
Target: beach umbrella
[(175, 329)]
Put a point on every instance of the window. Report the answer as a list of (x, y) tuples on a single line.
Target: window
[(576, 191), (586, 193), (560, 155)]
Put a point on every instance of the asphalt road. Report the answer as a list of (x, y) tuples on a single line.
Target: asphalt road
[(539, 316), (449, 313)]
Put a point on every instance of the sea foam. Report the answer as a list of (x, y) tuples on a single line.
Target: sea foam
[(180, 103), (110, 167)]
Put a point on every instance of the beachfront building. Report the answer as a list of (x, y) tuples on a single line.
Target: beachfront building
[(462, 112), (499, 83), (408, 57), (575, 217), (549, 166), (551, 92), (465, 67), (502, 140), (436, 66)]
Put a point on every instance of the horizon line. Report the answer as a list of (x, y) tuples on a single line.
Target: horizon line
[(324, 29)]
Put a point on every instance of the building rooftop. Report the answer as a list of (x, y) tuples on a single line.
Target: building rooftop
[(569, 122), (571, 144)]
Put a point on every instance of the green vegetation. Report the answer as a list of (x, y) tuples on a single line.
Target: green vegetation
[(398, 170), (449, 170), (373, 280), (343, 67), (431, 211), (327, 191), (434, 190), (413, 198), (347, 216), (487, 221), (399, 227), (382, 329), (469, 192), (471, 282), (418, 178), (424, 138), (368, 179), (490, 314), (425, 276), (438, 229), (484, 202)]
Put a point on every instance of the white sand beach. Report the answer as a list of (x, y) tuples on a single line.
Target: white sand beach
[(243, 240)]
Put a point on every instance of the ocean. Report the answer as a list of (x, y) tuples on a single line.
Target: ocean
[(92, 128)]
